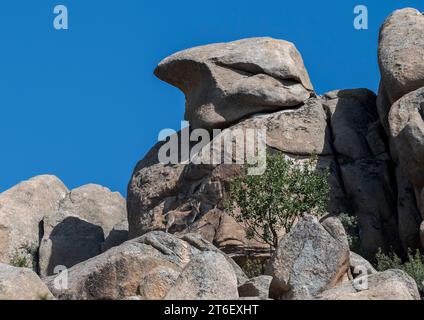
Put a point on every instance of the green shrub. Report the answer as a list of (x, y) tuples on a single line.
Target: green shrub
[(19, 260), (25, 257), (414, 266), (253, 267), (271, 202), (351, 225)]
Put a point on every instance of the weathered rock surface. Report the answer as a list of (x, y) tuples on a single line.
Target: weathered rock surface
[(407, 130), (409, 216), (388, 285), (89, 219), (342, 129), (208, 276), (307, 261), (365, 167), (21, 284), (156, 283), (407, 133), (359, 266), (22, 208), (146, 267), (401, 50), (156, 189), (256, 287), (227, 82), (335, 228), (198, 242), (119, 272)]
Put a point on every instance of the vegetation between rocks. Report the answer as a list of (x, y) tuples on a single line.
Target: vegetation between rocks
[(414, 265), (270, 203)]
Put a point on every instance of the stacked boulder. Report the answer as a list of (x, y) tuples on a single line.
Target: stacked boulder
[(400, 101), (261, 83), (155, 266), (173, 239), (44, 226)]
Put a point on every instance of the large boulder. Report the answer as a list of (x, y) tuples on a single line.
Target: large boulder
[(156, 189), (227, 82), (89, 219), (118, 273), (21, 284), (157, 282), (365, 167), (22, 208), (146, 267), (208, 276), (407, 131), (400, 52), (307, 261), (198, 242), (341, 130), (388, 285)]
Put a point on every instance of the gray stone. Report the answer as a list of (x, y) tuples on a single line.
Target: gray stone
[(407, 131), (22, 208), (119, 272), (89, 219), (365, 167), (388, 285), (156, 189), (197, 241), (156, 284), (335, 228), (409, 217), (21, 284), (400, 52), (227, 82), (359, 266), (208, 276), (256, 287), (307, 261)]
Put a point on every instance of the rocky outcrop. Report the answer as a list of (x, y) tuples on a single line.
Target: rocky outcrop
[(21, 284), (365, 167), (388, 285), (44, 225), (400, 52), (227, 82), (401, 48), (307, 261), (208, 276), (371, 146), (147, 267), (341, 128), (88, 219), (22, 208)]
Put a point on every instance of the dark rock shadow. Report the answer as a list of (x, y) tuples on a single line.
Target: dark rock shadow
[(73, 241)]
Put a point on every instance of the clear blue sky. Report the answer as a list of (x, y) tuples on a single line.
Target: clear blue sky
[(84, 105)]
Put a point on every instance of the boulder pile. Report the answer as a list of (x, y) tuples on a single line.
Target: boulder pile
[(174, 239)]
